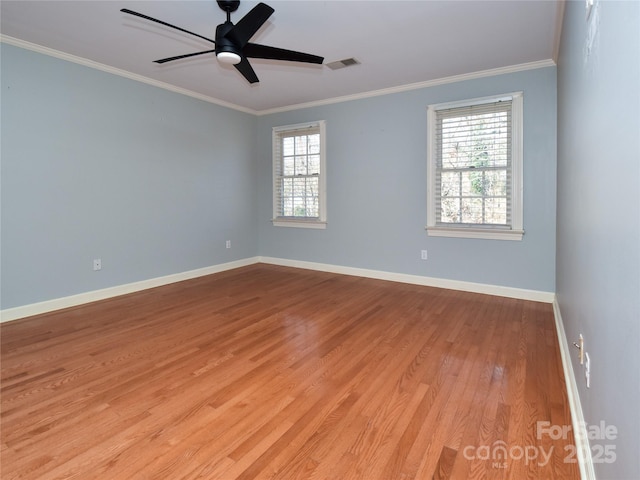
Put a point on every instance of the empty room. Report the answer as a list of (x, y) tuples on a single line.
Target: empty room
[(320, 239)]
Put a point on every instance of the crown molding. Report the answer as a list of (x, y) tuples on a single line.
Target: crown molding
[(16, 42), (347, 98), (415, 86)]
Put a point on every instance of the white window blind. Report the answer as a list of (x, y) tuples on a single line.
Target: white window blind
[(475, 167), (298, 162)]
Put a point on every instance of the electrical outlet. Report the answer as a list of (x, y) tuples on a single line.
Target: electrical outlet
[(97, 264), (228, 243), (580, 346), (423, 254)]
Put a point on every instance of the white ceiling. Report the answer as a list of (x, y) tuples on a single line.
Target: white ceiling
[(397, 42)]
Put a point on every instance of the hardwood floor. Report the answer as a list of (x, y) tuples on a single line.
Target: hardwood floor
[(272, 372)]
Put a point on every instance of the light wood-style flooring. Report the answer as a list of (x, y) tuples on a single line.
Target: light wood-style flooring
[(280, 373)]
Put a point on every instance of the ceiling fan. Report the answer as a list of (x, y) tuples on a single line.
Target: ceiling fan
[(232, 41)]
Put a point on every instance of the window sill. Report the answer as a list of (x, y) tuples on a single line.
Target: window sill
[(282, 222), (470, 232)]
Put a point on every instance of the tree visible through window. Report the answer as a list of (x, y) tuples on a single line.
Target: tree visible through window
[(298, 174), (299, 180), (475, 167)]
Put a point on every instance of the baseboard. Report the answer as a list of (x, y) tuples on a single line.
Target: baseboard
[(585, 460), (510, 292), (87, 297), (79, 299)]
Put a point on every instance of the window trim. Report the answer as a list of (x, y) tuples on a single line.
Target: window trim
[(516, 231), (319, 222)]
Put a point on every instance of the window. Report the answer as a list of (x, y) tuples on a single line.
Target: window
[(299, 198), (475, 168)]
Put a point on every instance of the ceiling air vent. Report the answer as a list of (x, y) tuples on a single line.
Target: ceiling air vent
[(347, 62)]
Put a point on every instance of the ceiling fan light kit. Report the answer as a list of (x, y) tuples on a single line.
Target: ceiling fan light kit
[(232, 44), (228, 57)]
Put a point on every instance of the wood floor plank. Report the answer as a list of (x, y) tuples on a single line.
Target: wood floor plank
[(268, 372)]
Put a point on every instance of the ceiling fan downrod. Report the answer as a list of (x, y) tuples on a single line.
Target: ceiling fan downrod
[(226, 51), (229, 6)]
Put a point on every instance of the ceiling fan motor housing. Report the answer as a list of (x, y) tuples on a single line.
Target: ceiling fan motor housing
[(230, 52)]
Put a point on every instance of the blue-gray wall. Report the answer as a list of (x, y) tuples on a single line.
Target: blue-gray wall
[(98, 166), (153, 183), (598, 245), (376, 188)]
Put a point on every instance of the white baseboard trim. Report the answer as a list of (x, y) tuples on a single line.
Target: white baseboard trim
[(87, 297), (510, 292), (585, 460)]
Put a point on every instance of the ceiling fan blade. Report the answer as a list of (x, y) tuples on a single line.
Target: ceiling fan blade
[(253, 50), (170, 59), (246, 70), (146, 17), (249, 24)]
